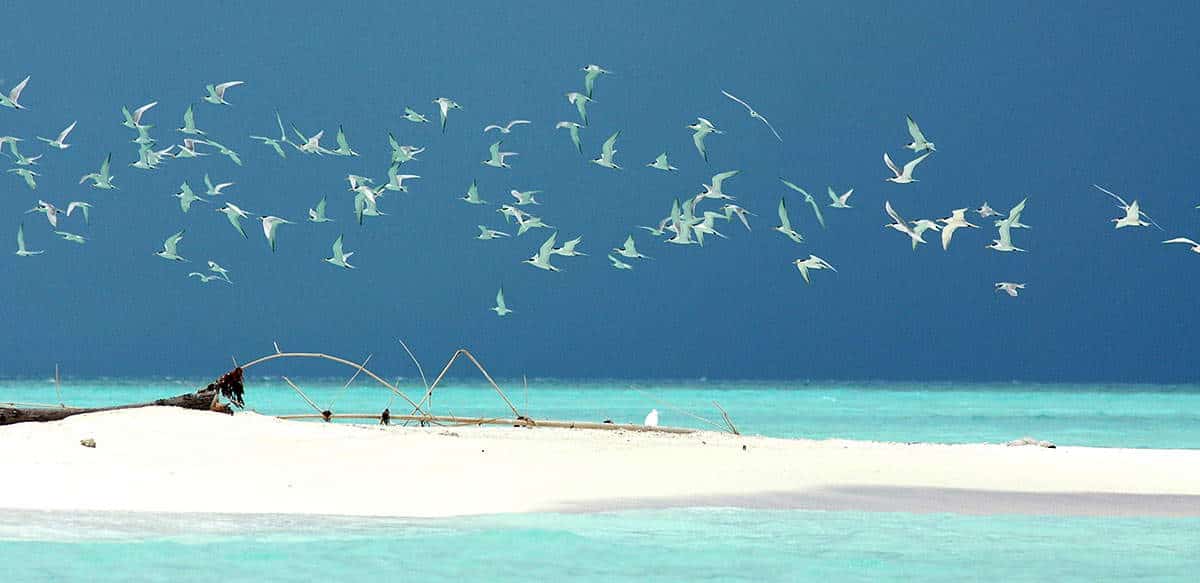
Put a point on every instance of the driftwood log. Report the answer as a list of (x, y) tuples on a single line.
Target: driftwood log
[(206, 399)]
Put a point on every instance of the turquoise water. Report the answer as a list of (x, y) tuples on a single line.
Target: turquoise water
[(660, 545), (1153, 416), (654, 545)]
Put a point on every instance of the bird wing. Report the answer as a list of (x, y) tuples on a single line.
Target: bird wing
[(609, 147), (137, 113), (62, 136), (718, 179), (1014, 215), (321, 207), (189, 118), (698, 139), (341, 139), (784, 222), (220, 89), (172, 243), (546, 248), (15, 94), (1112, 194), (915, 131), (21, 237), (500, 299), (887, 205), (891, 165), (908, 168), (517, 122), (495, 149), (1181, 240), (743, 103), (337, 247)]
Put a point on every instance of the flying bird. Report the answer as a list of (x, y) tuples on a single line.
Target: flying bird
[(186, 197), (102, 179), (216, 93), (700, 130), (134, 120), (340, 258), (753, 114), (396, 180), (205, 278), (525, 198), (270, 225), (1009, 287), (810, 263), (501, 308), (21, 250), (411, 115), (47, 209), (580, 101), (343, 148), (573, 128), (216, 268), (903, 176), (189, 123), (898, 223), (275, 142), (21, 159), (785, 224), (472, 195), (809, 199), (956, 220), (589, 80), (214, 189), (71, 237), (12, 99), (317, 215), (541, 259), (170, 248), (61, 141), (496, 158), (235, 215), (486, 234), (1133, 213), (629, 249), (661, 163), (568, 248), (84, 207), (507, 128), (919, 143), (444, 107), (985, 211), (840, 202), (1195, 246), (607, 151), (27, 174), (618, 264)]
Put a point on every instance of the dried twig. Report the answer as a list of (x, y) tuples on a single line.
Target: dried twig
[(729, 421), (336, 359), (302, 395)]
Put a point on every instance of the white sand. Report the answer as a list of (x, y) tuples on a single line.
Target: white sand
[(172, 460)]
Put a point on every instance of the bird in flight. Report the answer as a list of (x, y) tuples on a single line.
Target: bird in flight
[(903, 176), (593, 72), (11, 100), (501, 308), (919, 143), (785, 224), (340, 258), (170, 248), (61, 141), (700, 130), (444, 107), (22, 251), (1133, 213), (1009, 287), (507, 128), (216, 93), (810, 263), (753, 114), (573, 128), (661, 163), (607, 151)]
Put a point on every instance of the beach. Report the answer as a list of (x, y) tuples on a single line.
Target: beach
[(171, 460)]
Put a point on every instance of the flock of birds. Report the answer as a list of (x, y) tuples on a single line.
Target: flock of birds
[(688, 222)]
